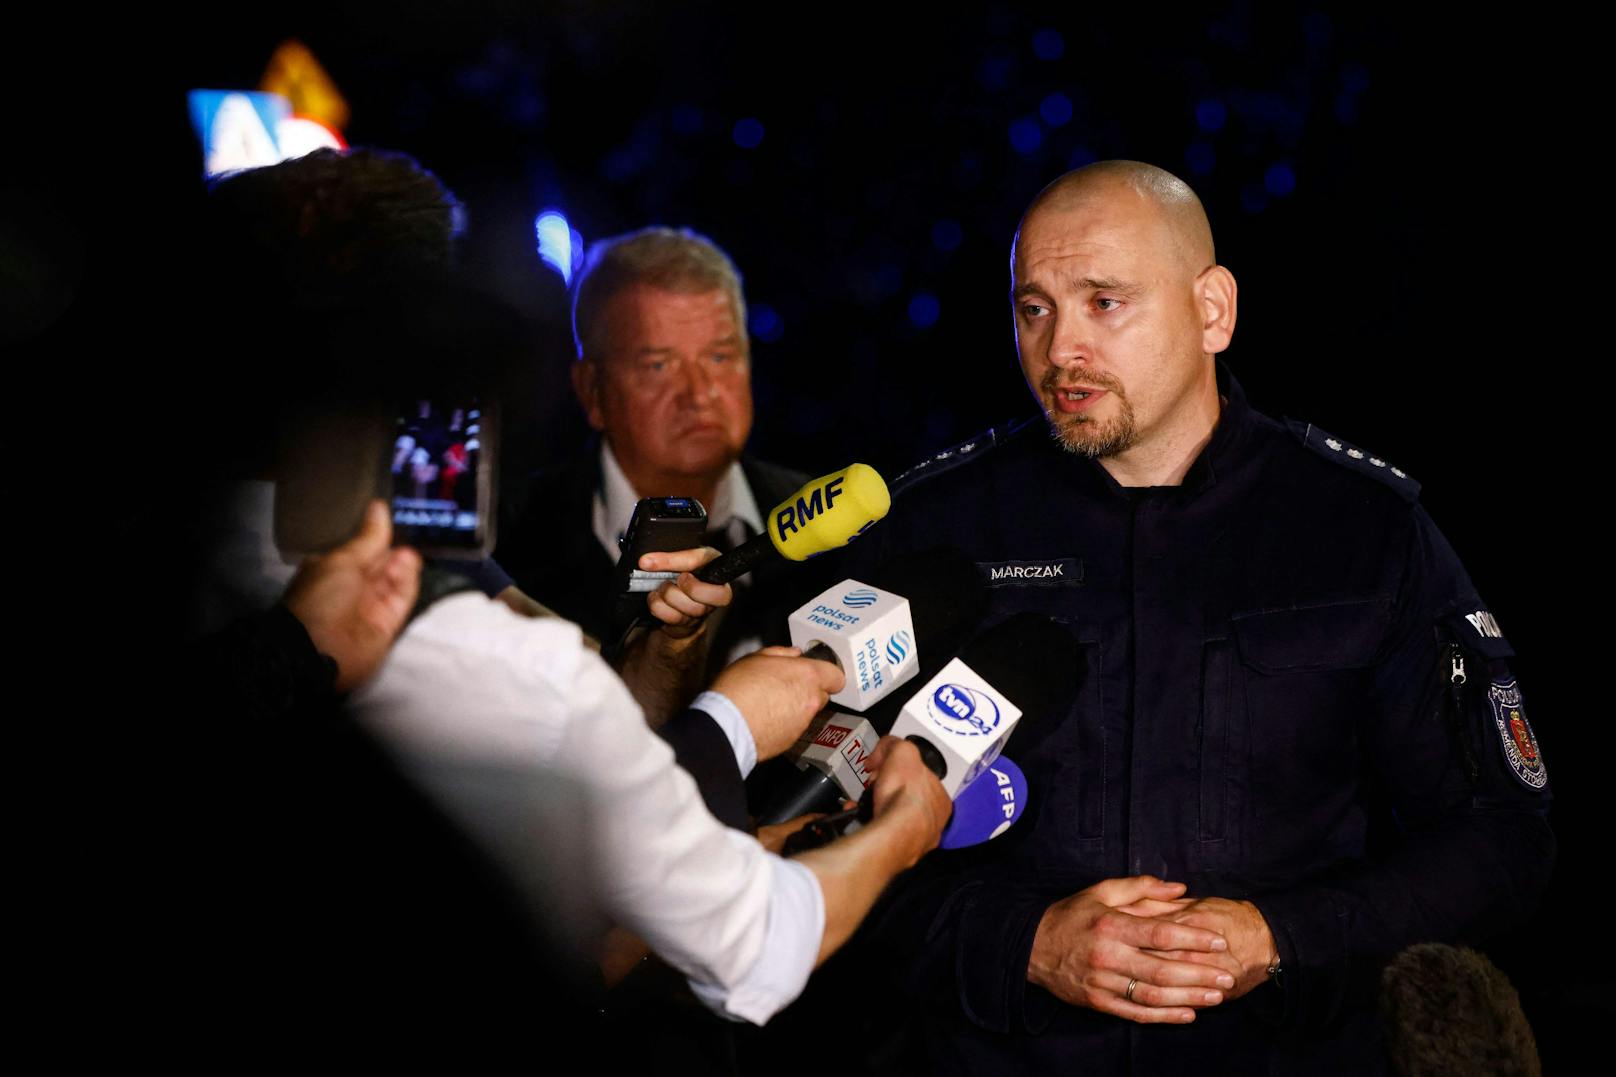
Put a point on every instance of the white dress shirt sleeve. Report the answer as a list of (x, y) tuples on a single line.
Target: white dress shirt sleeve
[(727, 717), (471, 678)]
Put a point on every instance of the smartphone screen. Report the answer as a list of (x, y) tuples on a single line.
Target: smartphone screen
[(442, 492)]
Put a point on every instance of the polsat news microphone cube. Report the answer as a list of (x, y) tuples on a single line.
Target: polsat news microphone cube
[(870, 631)]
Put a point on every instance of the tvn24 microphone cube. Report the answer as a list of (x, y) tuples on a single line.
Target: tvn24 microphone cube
[(872, 634), (964, 717)]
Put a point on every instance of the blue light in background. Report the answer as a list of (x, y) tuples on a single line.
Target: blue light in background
[(1048, 44), (1211, 115), (748, 133), (1056, 109), (687, 119), (887, 279), (1354, 81), (947, 235), (994, 72), (764, 322), (560, 247), (967, 172), (1200, 157), (924, 310), (1280, 179), (1025, 135), (526, 107), (1318, 28)]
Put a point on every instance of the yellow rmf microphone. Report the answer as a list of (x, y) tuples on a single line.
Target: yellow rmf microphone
[(828, 512)]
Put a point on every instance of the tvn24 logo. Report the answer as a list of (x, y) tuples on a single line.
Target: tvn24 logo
[(963, 711)]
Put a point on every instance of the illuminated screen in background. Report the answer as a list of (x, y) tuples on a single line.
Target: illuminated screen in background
[(437, 448), (249, 129)]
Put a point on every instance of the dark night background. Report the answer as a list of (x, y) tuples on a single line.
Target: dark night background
[(1401, 198)]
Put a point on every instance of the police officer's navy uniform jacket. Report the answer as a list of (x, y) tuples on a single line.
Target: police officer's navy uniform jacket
[(1267, 711)]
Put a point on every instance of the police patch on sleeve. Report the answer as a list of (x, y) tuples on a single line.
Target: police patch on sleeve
[(1520, 746)]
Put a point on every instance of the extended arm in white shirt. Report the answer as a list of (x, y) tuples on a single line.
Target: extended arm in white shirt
[(469, 678)]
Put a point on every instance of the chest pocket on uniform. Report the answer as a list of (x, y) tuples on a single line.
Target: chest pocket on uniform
[(1279, 702), (1342, 635)]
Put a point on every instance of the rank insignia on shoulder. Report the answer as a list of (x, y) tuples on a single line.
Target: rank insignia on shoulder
[(1333, 448), (956, 455), (1515, 734)]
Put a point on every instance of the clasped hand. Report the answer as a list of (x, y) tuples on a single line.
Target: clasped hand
[(1138, 949)]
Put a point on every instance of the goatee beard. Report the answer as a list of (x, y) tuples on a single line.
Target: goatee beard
[(1085, 436)]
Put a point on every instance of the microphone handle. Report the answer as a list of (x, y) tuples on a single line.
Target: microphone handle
[(819, 833), (815, 791), (824, 831), (810, 794), (739, 561)]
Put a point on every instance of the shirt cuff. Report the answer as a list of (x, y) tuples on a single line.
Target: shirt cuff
[(727, 716), (796, 926)]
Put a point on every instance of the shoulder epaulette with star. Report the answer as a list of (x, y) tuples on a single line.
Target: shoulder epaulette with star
[(1333, 448), (970, 449)]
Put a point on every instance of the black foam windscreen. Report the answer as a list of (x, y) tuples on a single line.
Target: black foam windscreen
[(947, 601), (1030, 659)]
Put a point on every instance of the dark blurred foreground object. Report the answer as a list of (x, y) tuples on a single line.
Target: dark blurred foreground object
[(320, 224), (319, 896), (318, 899), (1450, 1011)]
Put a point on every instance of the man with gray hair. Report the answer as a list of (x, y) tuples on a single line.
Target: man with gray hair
[(663, 373)]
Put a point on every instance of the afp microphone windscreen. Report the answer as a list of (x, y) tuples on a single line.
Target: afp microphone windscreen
[(987, 806)]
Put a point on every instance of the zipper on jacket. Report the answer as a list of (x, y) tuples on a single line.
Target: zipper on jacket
[(1457, 679)]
